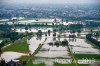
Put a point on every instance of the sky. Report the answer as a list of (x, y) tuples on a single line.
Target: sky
[(51, 1)]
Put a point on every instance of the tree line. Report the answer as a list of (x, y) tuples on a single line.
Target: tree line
[(94, 41)]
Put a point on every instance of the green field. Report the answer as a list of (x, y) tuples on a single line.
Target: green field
[(30, 63), (4, 39), (23, 58), (88, 56), (18, 46), (57, 64)]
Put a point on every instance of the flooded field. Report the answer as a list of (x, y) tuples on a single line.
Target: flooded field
[(8, 56), (81, 46), (50, 54)]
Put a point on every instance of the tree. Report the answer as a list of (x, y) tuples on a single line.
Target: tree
[(62, 28), (73, 31), (91, 31), (39, 34), (54, 34), (55, 20), (49, 32), (26, 28), (94, 41), (78, 31), (51, 43), (62, 20), (54, 30), (45, 34), (0, 50), (58, 37), (29, 27), (65, 42)]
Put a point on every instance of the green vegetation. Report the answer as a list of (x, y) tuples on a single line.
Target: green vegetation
[(93, 41), (5, 39), (18, 46), (12, 35), (23, 58), (30, 63), (82, 37), (32, 56), (83, 65), (94, 46), (75, 26), (58, 64), (88, 56), (97, 36)]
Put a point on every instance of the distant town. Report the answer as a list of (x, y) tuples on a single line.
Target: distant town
[(71, 12)]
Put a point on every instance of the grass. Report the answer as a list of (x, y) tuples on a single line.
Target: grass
[(89, 56), (23, 58), (82, 37), (30, 63), (58, 64), (94, 46), (55, 64), (32, 56), (18, 46), (4, 39), (97, 36), (83, 65)]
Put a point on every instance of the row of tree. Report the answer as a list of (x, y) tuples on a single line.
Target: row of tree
[(59, 43), (13, 36), (94, 41)]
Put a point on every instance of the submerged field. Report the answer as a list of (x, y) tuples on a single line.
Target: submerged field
[(38, 52)]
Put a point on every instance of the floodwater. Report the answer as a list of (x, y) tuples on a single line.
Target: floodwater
[(50, 54), (8, 56), (81, 46)]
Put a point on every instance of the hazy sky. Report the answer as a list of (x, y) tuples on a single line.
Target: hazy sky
[(51, 1)]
